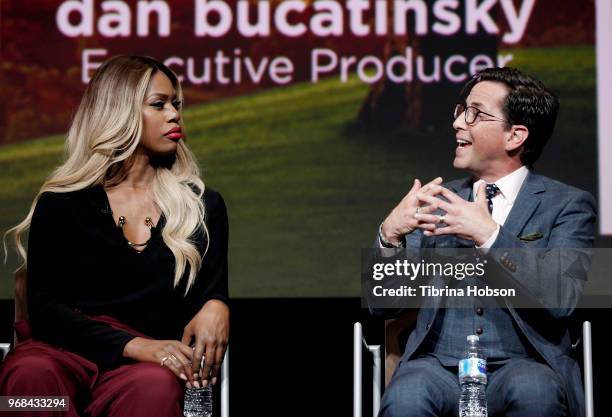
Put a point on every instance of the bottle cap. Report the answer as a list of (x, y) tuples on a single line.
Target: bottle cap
[(473, 338)]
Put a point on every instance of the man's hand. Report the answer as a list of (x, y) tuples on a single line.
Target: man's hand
[(401, 220), (210, 329), (175, 355), (468, 220)]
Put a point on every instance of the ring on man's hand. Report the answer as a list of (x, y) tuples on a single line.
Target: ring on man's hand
[(442, 219), (164, 359), (418, 209)]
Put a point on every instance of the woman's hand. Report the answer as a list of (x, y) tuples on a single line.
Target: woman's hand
[(172, 354), (210, 329)]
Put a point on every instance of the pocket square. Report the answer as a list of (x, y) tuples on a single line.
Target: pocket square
[(531, 237)]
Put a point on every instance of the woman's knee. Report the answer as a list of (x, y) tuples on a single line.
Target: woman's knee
[(151, 381), (137, 390), (32, 374)]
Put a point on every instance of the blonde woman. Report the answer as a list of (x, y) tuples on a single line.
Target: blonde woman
[(126, 258)]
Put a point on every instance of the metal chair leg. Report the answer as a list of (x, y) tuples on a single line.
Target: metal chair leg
[(358, 340), (4, 348), (588, 368), (225, 385)]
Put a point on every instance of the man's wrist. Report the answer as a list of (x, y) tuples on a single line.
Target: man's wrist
[(389, 243), (486, 243)]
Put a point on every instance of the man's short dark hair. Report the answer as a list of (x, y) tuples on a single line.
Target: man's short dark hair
[(528, 103)]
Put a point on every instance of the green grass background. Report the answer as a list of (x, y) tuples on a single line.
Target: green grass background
[(305, 188)]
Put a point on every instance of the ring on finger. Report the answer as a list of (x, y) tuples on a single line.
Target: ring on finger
[(164, 359), (442, 219), (418, 210)]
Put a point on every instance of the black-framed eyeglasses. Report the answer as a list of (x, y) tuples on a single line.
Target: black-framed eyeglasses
[(471, 114)]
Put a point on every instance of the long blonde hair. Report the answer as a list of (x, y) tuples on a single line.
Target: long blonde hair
[(104, 134)]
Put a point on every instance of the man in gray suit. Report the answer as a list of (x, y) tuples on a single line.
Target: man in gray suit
[(502, 124)]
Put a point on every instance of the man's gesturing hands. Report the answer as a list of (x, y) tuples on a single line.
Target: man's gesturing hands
[(401, 220), (468, 220)]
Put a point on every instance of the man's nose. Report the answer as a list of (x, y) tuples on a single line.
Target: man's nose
[(459, 122)]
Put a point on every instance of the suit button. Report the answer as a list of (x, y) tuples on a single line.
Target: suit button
[(479, 311), (479, 331), (427, 326)]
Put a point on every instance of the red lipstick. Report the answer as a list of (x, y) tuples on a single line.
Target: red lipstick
[(176, 133)]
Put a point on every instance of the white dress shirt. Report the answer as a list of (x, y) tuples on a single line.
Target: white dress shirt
[(509, 187)]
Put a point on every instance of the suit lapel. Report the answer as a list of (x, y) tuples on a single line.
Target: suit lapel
[(527, 201), (525, 204), (464, 189)]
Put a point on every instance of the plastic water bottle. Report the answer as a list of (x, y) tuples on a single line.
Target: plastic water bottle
[(198, 402), (473, 380)]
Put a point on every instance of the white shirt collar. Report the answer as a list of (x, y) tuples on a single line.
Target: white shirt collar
[(510, 185)]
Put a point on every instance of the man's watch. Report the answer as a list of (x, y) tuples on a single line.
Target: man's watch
[(386, 244)]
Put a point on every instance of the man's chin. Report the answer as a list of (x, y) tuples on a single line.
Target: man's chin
[(459, 164)]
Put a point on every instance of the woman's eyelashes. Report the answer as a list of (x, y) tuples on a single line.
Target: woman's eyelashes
[(159, 104)]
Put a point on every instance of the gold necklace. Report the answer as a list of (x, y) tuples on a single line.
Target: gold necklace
[(148, 222)]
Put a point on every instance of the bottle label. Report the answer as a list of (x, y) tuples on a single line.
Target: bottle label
[(473, 368)]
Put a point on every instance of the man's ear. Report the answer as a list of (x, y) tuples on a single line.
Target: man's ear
[(517, 136)]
